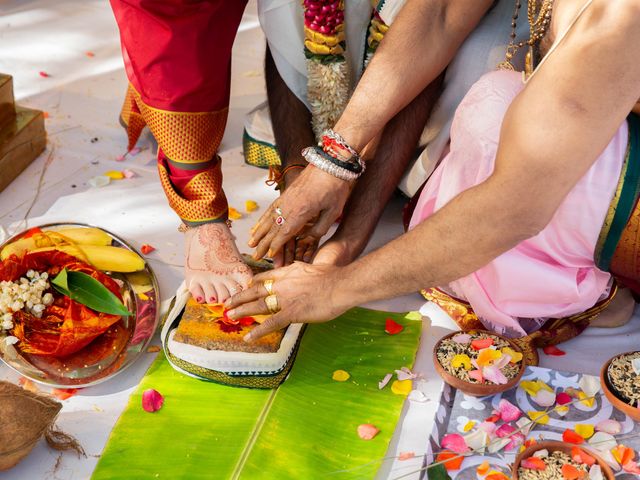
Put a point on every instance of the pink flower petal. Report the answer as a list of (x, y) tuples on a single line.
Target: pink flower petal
[(406, 456), (631, 467), (134, 151), (383, 383), (488, 427), (462, 338), (366, 431), (517, 439), (120, 158), (476, 375), (405, 374), (474, 363), (505, 430), (508, 411), (544, 398), (502, 362), (563, 398), (494, 375), (455, 443), (152, 400), (128, 173), (610, 426)]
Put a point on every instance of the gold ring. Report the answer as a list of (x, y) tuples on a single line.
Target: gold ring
[(272, 304), (268, 286)]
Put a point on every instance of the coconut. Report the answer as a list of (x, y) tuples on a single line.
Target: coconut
[(27, 417)]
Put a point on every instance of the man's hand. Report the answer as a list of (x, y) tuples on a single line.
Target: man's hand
[(314, 195), (305, 293)]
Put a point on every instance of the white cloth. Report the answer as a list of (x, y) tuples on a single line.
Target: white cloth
[(282, 23)]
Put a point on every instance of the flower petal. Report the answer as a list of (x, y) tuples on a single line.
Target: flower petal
[(340, 376), (402, 387), (405, 374), (515, 356), (517, 439), (367, 431), (544, 398), (454, 442), (476, 375), (461, 360), (477, 441), (541, 418), (590, 385), (533, 463), (494, 375), (152, 400), (610, 426), (406, 456), (553, 351), (595, 472), (603, 442), (563, 398), (570, 436), (488, 427), (383, 383), (417, 396), (498, 444), (481, 343), (505, 430), (462, 338), (391, 327), (508, 411)]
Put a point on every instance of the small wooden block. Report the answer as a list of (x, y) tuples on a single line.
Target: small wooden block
[(7, 106), (21, 141)]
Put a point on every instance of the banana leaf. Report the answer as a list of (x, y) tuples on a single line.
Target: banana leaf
[(307, 428)]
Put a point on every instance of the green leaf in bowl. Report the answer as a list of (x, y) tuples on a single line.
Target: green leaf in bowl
[(90, 292)]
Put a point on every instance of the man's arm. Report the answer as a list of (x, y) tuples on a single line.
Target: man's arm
[(389, 161), (552, 134), (424, 39), (290, 118)]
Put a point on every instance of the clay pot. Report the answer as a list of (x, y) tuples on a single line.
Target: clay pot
[(476, 389), (621, 405), (562, 447)]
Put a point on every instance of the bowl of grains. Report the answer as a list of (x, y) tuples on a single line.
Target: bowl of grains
[(549, 460), (478, 363), (620, 378)]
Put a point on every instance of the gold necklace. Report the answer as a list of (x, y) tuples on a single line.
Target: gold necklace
[(539, 16)]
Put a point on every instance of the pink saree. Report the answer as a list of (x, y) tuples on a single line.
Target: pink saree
[(551, 275)]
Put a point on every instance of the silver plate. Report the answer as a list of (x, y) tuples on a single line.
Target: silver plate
[(113, 351)]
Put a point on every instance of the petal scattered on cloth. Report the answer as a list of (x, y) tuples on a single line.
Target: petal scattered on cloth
[(590, 385), (603, 442), (483, 468), (498, 444), (540, 418), (544, 398), (152, 400), (405, 374), (99, 181), (64, 393), (508, 411), (402, 387), (477, 441), (570, 436), (585, 430), (406, 456), (417, 396), (454, 442), (586, 400), (367, 431), (517, 439), (128, 173), (489, 427), (340, 376), (562, 410), (505, 430), (234, 214), (563, 398), (251, 206), (383, 383), (452, 460), (610, 426), (553, 351), (114, 175), (534, 386), (147, 249)]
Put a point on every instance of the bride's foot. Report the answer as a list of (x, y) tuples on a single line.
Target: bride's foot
[(214, 269)]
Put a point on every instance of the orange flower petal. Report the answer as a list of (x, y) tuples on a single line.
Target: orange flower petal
[(452, 461)]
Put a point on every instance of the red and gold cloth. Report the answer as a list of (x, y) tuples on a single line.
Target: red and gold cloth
[(177, 55)]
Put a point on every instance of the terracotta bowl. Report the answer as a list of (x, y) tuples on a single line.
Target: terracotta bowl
[(476, 389), (621, 405), (563, 447)]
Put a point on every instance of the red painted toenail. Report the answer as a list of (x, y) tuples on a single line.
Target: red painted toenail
[(199, 299), (212, 299)]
